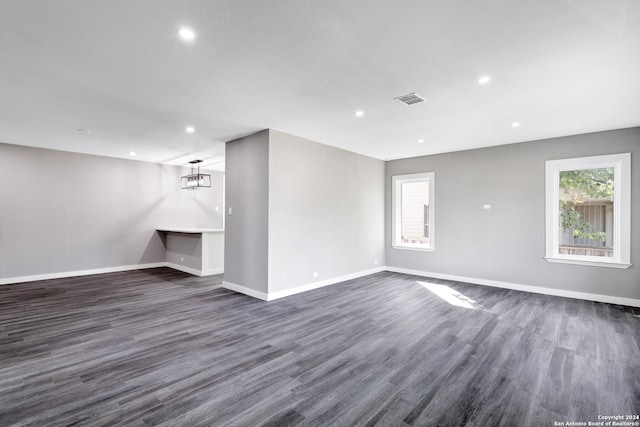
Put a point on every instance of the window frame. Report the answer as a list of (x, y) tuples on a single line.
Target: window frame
[(621, 164), (396, 215)]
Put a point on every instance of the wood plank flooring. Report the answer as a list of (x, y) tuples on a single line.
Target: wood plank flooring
[(160, 347)]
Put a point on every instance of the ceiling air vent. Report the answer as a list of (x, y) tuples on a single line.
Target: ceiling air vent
[(410, 99)]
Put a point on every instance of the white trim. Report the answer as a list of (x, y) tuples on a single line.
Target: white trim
[(184, 269), (315, 285), (525, 288), (192, 230), (65, 274), (396, 208), (413, 248), (77, 273), (194, 271), (244, 290), (586, 261), (621, 210), (298, 289), (303, 288)]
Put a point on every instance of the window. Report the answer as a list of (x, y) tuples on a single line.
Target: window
[(413, 214), (588, 215)]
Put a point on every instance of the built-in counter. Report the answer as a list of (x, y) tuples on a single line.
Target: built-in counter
[(198, 251)]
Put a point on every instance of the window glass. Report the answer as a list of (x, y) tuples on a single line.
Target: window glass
[(588, 210), (413, 211)]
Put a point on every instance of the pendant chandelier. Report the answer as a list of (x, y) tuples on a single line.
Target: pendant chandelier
[(196, 179)]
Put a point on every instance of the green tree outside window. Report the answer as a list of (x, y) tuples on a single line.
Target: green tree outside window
[(580, 186)]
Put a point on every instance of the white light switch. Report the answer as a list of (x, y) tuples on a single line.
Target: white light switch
[(486, 206), (230, 211)]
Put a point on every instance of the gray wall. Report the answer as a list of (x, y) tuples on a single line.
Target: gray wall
[(326, 212), (64, 212), (247, 193), (506, 243), (184, 249)]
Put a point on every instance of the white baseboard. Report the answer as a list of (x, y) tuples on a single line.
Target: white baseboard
[(183, 268), (193, 271), (247, 291), (64, 274), (315, 285), (303, 288), (518, 287), (270, 296)]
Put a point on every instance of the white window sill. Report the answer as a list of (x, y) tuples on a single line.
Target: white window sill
[(414, 248), (608, 264)]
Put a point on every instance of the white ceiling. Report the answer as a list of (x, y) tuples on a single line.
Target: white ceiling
[(118, 68)]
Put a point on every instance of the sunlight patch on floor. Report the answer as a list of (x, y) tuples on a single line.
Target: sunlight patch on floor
[(451, 296)]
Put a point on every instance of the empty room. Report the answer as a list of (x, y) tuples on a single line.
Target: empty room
[(319, 213)]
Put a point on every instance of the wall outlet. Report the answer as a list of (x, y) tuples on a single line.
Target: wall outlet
[(315, 274), (230, 211), (486, 206), (216, 209), (181, 258), (375, 261)]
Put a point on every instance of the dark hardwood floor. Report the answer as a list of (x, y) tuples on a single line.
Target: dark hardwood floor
[(160, 347)]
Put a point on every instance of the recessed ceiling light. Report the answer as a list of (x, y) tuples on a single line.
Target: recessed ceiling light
[(484, 80), (186, 34), (420, 141), (190, 129), (132, 153), (359, 113), (515, 124)]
